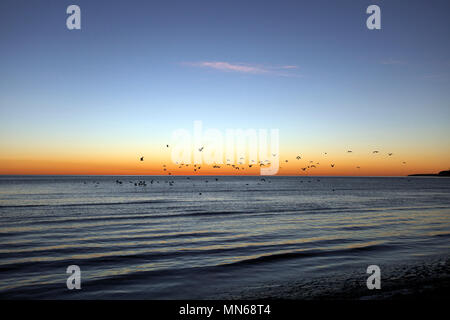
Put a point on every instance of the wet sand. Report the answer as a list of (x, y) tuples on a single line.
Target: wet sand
[(426, 280)]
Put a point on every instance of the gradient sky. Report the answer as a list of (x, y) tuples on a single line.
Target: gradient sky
[(92, 101)]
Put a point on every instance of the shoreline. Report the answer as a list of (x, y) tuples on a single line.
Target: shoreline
[(428, 280)]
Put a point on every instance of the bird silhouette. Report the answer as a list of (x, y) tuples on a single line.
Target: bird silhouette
[(142, 158), (201, 149), (375, 151), (390, 154), (332, 165)]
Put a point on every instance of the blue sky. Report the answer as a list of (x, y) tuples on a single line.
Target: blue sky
[(140, 69)]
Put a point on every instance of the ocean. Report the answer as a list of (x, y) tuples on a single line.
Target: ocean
[(202, 237)]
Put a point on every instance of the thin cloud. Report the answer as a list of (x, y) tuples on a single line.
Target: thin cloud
[(244, 68), (289, 67), (225, 66)]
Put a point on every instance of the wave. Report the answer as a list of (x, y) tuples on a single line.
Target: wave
[(88, 255), (311, 254), (87, 204)]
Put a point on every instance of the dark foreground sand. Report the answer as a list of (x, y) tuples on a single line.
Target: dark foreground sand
[(426, 280)]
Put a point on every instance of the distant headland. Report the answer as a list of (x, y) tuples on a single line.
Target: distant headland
[(440, 174)]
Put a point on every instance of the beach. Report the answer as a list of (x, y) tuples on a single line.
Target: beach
[(420, 280)]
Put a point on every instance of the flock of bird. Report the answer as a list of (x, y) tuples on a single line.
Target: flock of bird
[(143, 183), (241, 165)]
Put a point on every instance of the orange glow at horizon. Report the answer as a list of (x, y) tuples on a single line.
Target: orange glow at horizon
[(344, 165)]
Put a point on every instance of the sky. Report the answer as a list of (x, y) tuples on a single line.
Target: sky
[(93, 101)]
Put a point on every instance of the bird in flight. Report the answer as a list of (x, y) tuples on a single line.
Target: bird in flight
[(376, 151), (201, 149), (332, 165), (167, 145), (349, 151), (390, 154), (298, 157), (142, 158)]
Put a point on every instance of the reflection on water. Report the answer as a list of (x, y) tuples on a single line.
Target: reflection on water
[(153, 241)]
